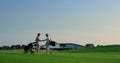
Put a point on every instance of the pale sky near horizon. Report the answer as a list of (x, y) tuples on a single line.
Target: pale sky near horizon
[(76, 21)]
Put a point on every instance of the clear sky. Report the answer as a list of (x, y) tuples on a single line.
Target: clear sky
[(77, 21)]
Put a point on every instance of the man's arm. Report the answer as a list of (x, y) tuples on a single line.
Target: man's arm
[(42, 40)]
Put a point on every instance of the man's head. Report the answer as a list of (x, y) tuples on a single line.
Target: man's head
[(38, 34), (46, 35)]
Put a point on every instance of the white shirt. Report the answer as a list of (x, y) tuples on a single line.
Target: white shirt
[(47, 41), (37, 40)]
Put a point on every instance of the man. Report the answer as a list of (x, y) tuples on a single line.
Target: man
[(37, 40), (47, 44)]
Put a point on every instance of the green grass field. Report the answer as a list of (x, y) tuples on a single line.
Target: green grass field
[(17, 56)]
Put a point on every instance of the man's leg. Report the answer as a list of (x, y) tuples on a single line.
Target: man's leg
[(37, 49), (47, 50)]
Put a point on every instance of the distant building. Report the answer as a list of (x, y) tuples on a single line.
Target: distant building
[(64, 46), (71, 46)]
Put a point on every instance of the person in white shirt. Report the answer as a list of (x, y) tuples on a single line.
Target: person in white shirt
[(37, 40), (47, 44)]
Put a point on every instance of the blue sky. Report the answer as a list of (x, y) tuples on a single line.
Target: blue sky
[(78, 21)]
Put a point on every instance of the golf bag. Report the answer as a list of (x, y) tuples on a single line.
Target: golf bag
[(29, 47), (53, 43)]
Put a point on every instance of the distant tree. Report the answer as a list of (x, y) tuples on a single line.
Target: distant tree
[(89, 45), (23, 46), (15, 46), (0, 48), (99, 45), (5, 47)]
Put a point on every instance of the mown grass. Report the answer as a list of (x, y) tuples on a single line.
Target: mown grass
[(17, 56), (109, 48)]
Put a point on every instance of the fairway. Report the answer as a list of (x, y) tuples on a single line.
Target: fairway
[(16, 56)]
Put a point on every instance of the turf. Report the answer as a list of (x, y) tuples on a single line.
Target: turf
[(17, 56), (108, 48)]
